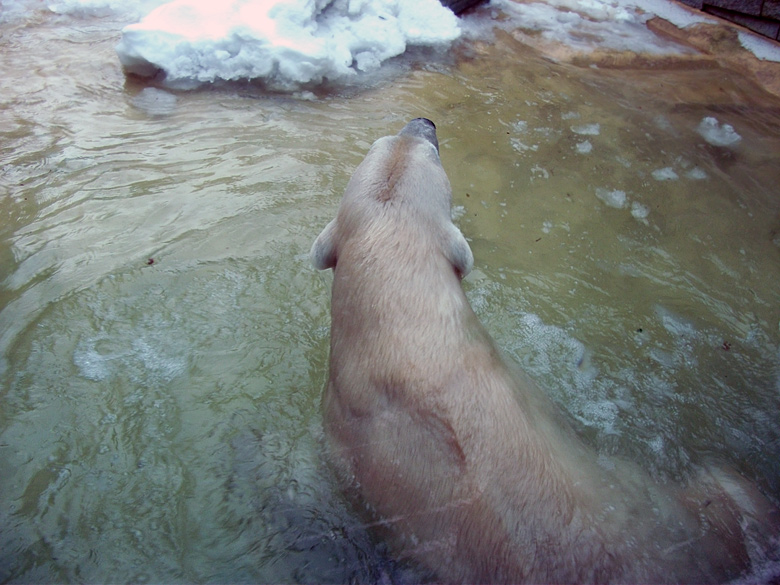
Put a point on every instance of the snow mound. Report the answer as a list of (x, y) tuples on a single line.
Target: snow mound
[(286, 43)]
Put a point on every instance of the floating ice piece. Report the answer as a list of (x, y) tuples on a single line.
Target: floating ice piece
[(612, 198), (584, 147), (539, 172), (520, 126), (587, 129), (287, 43), (665, 174), (520, 146), (716, 134), (696, 174), (639, 211)]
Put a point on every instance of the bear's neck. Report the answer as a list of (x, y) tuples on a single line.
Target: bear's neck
[(402, 294)]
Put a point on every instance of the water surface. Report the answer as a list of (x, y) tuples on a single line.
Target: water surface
[(165, 339)]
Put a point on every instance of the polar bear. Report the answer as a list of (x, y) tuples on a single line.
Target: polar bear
[(458, 454)]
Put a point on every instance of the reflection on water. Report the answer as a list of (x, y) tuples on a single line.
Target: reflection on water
[(165, 340)]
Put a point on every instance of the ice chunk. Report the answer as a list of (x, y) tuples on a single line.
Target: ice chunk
[(612, 197), (584, 147), (665, 174), (639, 211), (716, 134), (287, 43), (587, 129), (696, 174)]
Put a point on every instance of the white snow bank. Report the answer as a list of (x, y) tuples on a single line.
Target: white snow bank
[(295, 42), (287, 43), (616, 24), (599, 24), (762, 48)]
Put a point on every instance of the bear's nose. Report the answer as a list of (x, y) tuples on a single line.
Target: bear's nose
[(422, 128)]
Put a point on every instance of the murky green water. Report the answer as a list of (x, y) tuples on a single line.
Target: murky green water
[(165, 340)]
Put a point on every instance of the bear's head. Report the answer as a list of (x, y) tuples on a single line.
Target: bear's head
[(399, 188)]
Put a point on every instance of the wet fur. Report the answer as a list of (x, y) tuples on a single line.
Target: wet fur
[(461, 455)]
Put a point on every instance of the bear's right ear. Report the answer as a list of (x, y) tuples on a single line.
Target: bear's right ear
[(323, 251), (458, 251)]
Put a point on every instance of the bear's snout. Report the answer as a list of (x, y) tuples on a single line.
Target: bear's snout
[(422, 128)]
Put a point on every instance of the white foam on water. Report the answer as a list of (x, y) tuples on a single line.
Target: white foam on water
[(158, 360), (675, 324), (91, 363), (553, 347), (602, 414), (150, 360), (286, 43), (657, 445)]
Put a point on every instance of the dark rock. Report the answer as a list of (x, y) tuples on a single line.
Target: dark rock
[(460, 6)]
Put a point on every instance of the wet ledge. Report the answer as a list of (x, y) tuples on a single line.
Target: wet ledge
[(720, 43), (760, 16)]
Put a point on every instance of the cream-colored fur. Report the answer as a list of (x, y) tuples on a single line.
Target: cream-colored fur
[(461, 456)]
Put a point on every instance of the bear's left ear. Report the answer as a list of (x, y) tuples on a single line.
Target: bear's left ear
[(323, 251), (458, 251)]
